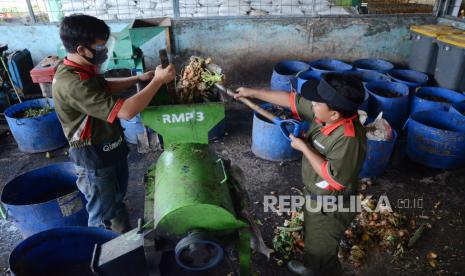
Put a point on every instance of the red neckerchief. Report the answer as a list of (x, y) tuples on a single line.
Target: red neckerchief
[(349, 130), (87, 71)]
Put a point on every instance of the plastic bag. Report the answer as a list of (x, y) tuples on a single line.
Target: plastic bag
[(362, 116), (379, 130)]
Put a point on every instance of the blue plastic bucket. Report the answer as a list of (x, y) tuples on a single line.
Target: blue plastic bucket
[(45, 198), (38, 134), (303, 77), (395, 109), (329, 65), (421, 102), (284, 74), (132, 128), (411, 78), (373, 64), (377, 156), (436, 139), (60, 251), (268, 142), (458, 108)]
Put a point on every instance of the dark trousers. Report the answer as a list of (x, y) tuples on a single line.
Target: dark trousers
[(323, 232), (104, 190)]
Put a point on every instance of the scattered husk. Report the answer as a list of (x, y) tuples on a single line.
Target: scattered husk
[(431, 257), (290, 238), (387, 230)]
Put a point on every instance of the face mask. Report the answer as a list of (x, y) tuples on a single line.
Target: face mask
[(100, 55)]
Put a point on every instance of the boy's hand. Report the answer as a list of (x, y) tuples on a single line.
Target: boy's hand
[(244, 92), (147, 76), (165, 75), (298, 143)]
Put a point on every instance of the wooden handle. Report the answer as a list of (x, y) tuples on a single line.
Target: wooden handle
[(164, 58), (255, 107), (170, 86)]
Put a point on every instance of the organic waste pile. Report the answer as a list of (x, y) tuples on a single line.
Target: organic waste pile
[(281, 112), (196, 82), (383, 229), (289, 238), (277, 111), (386, 93), (435, 99), (34, 112)]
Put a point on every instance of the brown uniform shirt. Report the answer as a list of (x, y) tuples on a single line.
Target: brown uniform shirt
[(342, 146), (88, 115)]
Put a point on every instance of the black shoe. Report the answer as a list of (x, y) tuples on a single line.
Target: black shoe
[(299, 268), (120, 223)]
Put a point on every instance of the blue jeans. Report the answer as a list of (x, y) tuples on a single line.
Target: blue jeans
[(104, 190)]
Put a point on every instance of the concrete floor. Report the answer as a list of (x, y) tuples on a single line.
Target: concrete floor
[(403, 180)]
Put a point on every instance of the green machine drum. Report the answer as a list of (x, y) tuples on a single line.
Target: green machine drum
[(191, 191)]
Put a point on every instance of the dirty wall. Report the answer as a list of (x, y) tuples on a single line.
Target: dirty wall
[(247, 47)]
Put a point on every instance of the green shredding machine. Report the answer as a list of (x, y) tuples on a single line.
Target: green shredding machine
[(194, 205), (124, 46)]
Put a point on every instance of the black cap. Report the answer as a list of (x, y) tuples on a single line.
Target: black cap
[(321, 91)]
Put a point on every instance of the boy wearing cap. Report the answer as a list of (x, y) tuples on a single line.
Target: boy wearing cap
[(333, 154), (89, 116)]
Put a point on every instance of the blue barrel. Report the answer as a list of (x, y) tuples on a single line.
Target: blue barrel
[(268, 142), (365, 77), (368, 76), (284, 74), (458, 108), (373, 64), (45, 198), (436, 139), (329, 65), (391, 98), (303, 77), (59, 251), (132, 128), (411, 78), (429, 98), (377, 156), (38, 134)]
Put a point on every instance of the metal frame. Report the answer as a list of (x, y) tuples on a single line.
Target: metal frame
[(439, 9), (176, 10), (31, 11)]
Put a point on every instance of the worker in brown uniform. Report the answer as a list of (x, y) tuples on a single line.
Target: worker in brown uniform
[(89, 114), (333, 153)]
